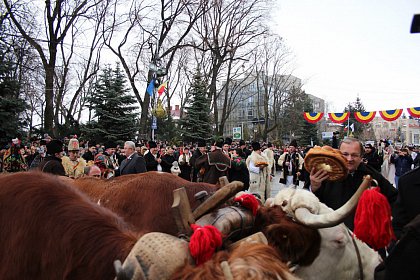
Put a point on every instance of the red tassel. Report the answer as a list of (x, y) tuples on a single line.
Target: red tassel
[(372, 221), (248, 201), (204, 242)]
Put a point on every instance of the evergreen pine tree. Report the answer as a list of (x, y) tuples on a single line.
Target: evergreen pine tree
[(114, 109), (359, 128), (196, 123), (310, 130), (11, 105)]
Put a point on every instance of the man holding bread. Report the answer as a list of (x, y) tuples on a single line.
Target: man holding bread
[(336, 193)]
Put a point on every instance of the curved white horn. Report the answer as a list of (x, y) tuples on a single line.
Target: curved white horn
[(332, 218)]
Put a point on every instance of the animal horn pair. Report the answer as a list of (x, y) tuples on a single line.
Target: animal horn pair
[(332, 218), (218, 198)]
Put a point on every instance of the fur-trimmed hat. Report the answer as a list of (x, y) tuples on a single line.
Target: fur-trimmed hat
[(256, 146), (152, 144), (54, 146), (228, 141), (241, 142), (73, 145), (201, 143), (293, 143), (219, 142)]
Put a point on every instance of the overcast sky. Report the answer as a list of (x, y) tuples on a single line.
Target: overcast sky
[(346, 49)]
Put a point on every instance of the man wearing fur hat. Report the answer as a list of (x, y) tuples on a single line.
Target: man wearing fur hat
[(214, 164), (244, 149), (73, 164), (259, 174), (52, 162), (152, 157), (201, 150), (292, 163)]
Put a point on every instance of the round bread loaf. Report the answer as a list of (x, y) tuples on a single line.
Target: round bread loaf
[(328, 159)]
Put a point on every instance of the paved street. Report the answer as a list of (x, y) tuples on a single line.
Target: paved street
[(276, 186)]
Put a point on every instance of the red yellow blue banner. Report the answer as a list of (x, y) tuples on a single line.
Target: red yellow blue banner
[(364, 117), (313, 117), (339, 117), (391, 115), (414, 112)]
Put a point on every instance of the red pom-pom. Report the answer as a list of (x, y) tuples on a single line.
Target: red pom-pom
[(248, 201), (204, 242), (372, 221)]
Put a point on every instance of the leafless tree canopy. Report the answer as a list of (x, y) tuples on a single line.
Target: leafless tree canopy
[(64, 43)]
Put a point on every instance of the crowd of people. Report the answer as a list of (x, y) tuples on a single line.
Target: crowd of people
[(396, 170), (77, 159)]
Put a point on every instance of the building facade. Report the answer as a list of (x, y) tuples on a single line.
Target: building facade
[(249, 96), (404, 130)]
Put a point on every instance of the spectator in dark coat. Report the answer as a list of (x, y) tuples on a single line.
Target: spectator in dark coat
[(244, 151), (152, 157), (201, 150), (372, 158), (167, 159), (403, 162), (403, 262), (407, 206), (52, 162), (184, 164), (239, 171), (134, 163), (89, 155)]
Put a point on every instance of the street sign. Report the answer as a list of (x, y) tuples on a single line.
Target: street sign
[(327, 135), (154, 123), (237, 133)]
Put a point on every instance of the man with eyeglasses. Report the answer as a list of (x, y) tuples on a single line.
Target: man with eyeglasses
[(336, 194)]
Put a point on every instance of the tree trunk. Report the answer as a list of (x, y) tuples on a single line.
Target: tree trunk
[(49, 100)]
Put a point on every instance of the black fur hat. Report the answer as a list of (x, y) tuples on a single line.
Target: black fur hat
[(228, 141), (201, 143), (54, 146), (293, 143), (152, 144), (256, 146), (219, 142)]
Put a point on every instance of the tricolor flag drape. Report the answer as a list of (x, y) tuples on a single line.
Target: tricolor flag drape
[(414, 112), (391, 115), (339, 117), (364, 117), (162, 87), (313, 117)]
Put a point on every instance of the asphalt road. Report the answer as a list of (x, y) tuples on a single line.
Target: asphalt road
[(276, 186)]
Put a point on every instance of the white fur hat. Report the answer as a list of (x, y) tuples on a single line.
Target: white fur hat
[(175, 168)]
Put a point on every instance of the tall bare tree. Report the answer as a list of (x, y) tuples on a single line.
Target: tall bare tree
[(59, 17), (274, 82), (151, 34), (228, 31)]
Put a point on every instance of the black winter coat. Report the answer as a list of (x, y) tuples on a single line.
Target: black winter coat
[(336, 194)]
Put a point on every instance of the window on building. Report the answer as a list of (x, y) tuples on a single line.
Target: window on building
[(250, 99), (416, 139), (250, 113)]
